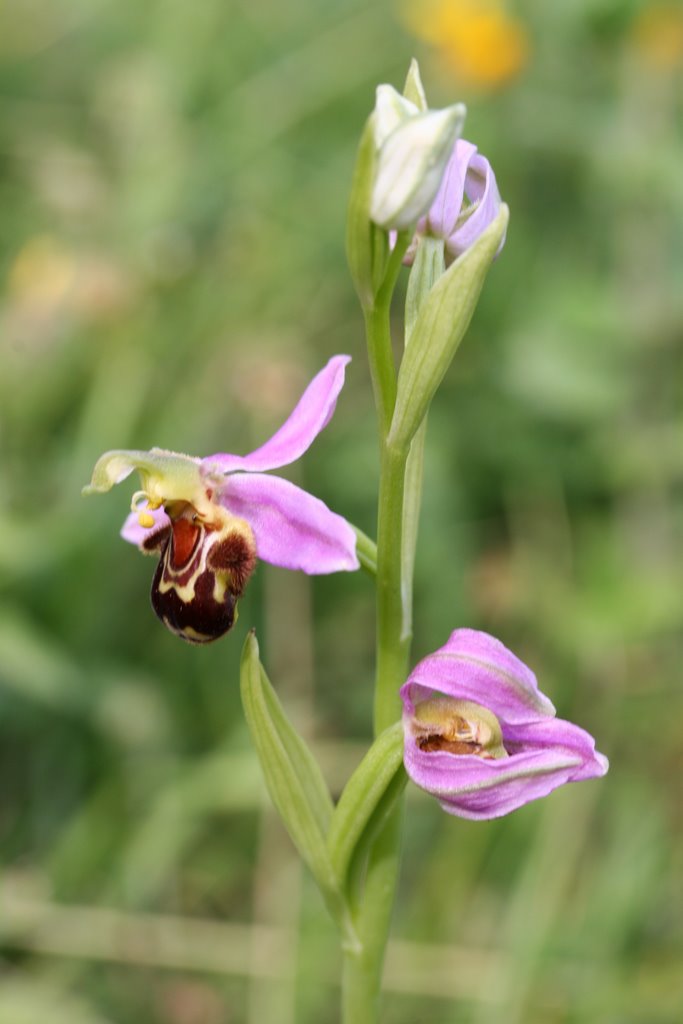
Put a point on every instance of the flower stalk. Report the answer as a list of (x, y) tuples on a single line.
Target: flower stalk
[(363, 969), (378, 334), (398, 511)]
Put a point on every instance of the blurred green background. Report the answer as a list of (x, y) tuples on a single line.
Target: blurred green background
[(173, 184)]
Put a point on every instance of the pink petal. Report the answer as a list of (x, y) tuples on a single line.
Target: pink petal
[(561, 735), (481, 187), (545, 755), (475, 666), (445, 209), (312, 413), (291, 527), (138, 535)]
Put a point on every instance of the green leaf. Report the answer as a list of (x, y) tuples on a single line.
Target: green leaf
[(292, 775), (367, 799), (294, 781), (441, 323)]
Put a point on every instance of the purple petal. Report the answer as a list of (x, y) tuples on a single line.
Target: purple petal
[(560, 734), (312, 413), (291, 527), (140, 535), (481, 188), (475, 666), (551, 754), (445, 209)]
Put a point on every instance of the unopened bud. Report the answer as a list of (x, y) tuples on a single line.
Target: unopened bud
[(413, 148)]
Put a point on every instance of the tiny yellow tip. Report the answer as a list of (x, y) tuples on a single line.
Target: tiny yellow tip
[(146, 520)]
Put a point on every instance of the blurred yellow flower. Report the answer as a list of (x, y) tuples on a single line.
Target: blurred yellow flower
[(478, 41), (48, 282), (42, 272), (657, 35)]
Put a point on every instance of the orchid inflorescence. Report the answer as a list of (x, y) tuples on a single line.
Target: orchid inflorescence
[(477, 733)]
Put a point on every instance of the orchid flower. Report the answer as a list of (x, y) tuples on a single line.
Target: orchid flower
[(466, 203), (210, 519), (480, 735)]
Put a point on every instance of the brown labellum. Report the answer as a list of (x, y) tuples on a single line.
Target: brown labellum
[(458, 727), (437, 742), (201, 574)]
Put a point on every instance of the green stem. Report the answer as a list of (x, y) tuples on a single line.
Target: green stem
[(382, 367), (398, 512), (393, 648), (378, 333), (362, 975), (363, 969)]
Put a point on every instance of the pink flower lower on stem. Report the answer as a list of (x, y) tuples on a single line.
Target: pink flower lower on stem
[(480, 735)]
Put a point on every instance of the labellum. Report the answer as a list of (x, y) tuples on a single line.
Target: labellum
[(202, 572), (458, 727)]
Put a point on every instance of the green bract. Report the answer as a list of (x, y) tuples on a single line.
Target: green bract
[(368, 797), (333, 841), (440, 325)]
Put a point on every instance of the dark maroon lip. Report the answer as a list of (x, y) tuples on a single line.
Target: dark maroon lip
[(202, 618), (183, 594)]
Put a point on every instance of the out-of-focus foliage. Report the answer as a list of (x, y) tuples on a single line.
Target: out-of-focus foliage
[(173, 184)]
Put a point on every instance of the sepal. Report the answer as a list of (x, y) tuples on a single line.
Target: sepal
[(439, 328), (165, 476)]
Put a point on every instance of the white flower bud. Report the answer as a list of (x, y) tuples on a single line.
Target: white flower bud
[(391, 110), (413, 150)]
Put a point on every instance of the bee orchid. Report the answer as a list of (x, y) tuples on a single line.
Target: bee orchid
[(209, 519)]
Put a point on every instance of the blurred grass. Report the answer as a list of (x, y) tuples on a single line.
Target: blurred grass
[(173, 182)]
